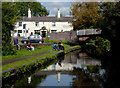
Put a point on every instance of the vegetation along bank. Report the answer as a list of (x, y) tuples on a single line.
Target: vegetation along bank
[(34, 63)]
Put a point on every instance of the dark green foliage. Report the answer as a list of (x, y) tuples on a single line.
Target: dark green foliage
[(9, 16), (93, 69), (67, 42), (10, 13), (36, 8), (8, 50), (34, 66), (98, 46), (110, 23)]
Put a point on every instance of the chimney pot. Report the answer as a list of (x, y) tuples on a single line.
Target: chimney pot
[(58, 15), (29, 13)]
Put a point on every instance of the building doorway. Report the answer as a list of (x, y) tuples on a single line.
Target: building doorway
[(43, 34)]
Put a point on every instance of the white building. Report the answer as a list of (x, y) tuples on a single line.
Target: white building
[(31, 25)]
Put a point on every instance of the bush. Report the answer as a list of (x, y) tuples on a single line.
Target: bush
[(8, 50), (97, 47), (67, 42)]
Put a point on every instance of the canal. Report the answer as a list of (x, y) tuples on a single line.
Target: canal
[(75, 69)]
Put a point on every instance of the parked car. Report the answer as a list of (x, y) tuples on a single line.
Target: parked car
[(33, 39)]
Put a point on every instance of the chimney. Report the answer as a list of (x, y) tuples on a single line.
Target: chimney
[(29, 13), (58, 15)]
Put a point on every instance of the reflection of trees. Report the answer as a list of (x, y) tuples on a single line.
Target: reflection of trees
[(84, 80), (36, 79), (23, 82)]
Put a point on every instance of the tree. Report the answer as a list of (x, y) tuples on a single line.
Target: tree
[(9, 16), (10, 13), (36, 8), (85, 15), (110, 28), (111, 16)]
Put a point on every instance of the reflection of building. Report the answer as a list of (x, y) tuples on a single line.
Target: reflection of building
[(58, 77), (65, 67), (29, 79), (43, 25), (72, 60)]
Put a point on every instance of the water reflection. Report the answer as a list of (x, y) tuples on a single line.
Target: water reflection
[(76, 69), (79, 68), (77, 60)]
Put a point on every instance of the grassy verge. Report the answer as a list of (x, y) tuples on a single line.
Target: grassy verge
[(24, 52), (19, 63)]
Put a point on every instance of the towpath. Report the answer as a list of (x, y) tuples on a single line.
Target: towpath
[(22, 58)]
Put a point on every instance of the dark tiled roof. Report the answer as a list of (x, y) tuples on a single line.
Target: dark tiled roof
[(47, 19)]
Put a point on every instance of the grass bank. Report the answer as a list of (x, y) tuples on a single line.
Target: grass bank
[(34, 61), (18, 63), (24, 52)]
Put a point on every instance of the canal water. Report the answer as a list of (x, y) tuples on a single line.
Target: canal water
[(76, 69)]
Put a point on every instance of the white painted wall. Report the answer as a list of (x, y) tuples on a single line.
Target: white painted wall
[(30, 26)]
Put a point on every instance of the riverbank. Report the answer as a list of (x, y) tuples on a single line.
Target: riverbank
[(29, 64)]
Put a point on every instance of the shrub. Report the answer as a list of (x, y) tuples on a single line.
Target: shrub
[(8, 50), (98, 46)]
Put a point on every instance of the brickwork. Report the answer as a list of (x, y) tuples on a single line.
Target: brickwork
[(70, 36)]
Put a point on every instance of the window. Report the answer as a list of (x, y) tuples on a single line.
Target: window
[(36, 23), (24, 26), (35, 31), (53, 31), (54, 24), (26, 31), (20, 23), (19, 31)]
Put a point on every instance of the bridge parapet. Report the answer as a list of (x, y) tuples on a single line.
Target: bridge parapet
[(88, 32)]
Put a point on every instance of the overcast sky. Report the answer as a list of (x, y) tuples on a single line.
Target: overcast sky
[(52, 7)]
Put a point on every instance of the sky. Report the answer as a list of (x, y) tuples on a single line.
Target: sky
[(53, 7), (64, 5)]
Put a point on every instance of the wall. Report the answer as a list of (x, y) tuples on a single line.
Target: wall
[(70, 36), (30, 26)]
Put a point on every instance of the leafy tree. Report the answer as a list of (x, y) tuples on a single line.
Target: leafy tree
[(108, 23), (9, 16), (36, 8), (110, 28), (10, 13), (85, 15)]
